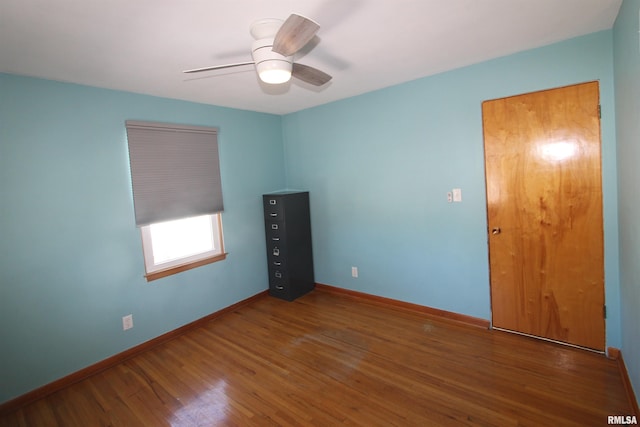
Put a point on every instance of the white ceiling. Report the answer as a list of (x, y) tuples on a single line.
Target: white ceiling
[(143, 45)]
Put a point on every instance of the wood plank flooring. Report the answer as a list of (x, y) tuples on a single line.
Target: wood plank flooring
[(329, 359)]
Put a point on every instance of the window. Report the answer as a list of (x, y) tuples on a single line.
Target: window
[(173, 246), (177, 195)]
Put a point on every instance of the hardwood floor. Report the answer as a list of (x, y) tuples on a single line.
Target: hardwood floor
[(330, 359)]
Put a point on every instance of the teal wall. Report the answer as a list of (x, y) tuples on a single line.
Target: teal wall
[(627, 81), (70, 255), (378, 167)]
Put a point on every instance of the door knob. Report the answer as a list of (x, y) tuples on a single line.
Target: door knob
[(496, 231)]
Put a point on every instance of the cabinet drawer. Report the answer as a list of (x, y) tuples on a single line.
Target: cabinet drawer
[(276, 253), (273, 208), (279, 289), (274, 227), (277, 275), (277, 263), (275, 233), (274, 240)]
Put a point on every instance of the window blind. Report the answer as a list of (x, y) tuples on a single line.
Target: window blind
[(175, 171)]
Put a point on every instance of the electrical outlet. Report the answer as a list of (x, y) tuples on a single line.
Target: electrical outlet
[(127, 322), (354, 272)]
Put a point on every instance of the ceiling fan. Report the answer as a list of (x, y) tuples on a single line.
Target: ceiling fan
[(273, 49)]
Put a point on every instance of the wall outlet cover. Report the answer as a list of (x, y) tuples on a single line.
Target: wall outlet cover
[(127, 322)]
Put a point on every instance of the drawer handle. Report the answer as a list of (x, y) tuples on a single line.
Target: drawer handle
[(278, 263), (279, 287), (278, 275), (272, 201), (273, 215), (276, 239)]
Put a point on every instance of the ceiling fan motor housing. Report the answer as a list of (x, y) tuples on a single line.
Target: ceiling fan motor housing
[(271, 66)]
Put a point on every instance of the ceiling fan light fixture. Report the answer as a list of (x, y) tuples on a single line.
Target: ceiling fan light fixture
[(274, 71)]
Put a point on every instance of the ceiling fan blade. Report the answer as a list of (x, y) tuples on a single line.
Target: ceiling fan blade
[(309, 74), (294, 33), (218, 67)]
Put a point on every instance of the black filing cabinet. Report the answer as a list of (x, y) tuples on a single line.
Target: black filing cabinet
[(288, 234)]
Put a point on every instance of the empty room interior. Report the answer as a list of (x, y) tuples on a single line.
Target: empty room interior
[(431, 219)]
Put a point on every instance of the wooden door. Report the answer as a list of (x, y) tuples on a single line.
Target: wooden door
[(544, 206)]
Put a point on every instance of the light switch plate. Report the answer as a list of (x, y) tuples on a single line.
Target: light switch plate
[(457, 195)]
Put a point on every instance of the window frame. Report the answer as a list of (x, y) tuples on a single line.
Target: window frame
[(156, 271)]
